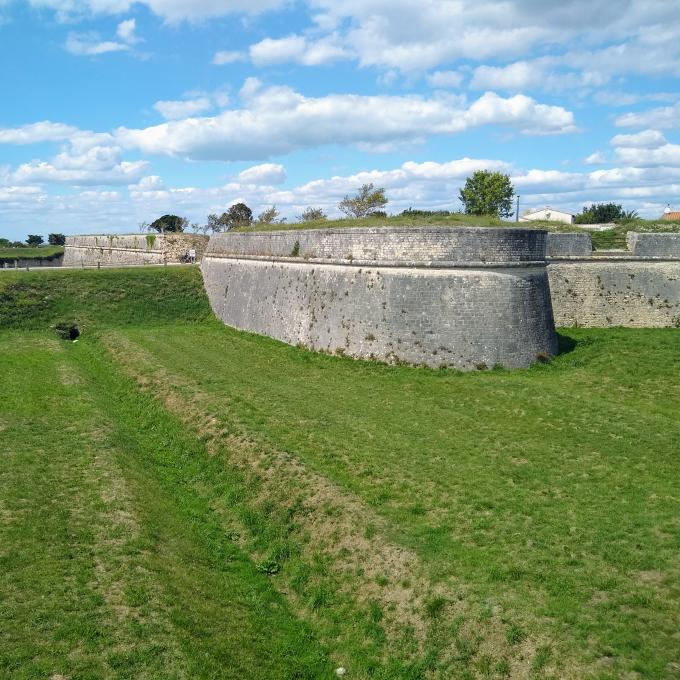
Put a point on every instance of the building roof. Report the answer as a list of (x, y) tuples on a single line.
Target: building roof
[(671, 215), (555, 210)]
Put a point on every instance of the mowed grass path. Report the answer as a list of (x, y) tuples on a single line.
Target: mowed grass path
[(185, 497), (112, 565)]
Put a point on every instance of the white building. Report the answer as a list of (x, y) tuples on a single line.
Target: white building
[(549, 214)]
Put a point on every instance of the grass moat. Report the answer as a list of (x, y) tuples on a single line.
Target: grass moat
[(182, 500)]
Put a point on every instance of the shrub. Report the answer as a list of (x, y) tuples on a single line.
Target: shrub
[(365, 202), (312, 215)]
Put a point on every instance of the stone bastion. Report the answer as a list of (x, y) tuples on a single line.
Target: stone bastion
[(130, 249), (458, 297)]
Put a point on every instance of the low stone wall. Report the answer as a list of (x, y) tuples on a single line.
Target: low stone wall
[(654, 244), (130, 249), (560, 244), (465, 298), (33, 262)]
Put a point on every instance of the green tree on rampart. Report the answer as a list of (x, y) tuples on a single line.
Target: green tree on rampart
[(169, 223), (487, 193)]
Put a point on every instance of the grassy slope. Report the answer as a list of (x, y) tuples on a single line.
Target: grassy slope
[(535, 511), (548, 494), (43, 253), (33, 300), (112, 562)]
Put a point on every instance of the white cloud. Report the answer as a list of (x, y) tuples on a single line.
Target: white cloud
[(445, 79), (227, 57), (20, 195), (126, 31), (296, 48), (596, 158), (44, 131), (93, 165), (662, 117), (148, 183), (172, 110), (278, 120), (667, 155), (267, 173), (517, 76), (171, 10), (647, 139), (618, 98), (521, 112), (91, 44)]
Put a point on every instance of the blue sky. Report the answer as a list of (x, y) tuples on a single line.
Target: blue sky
[(115, 112)]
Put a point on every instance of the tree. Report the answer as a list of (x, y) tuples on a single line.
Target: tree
[(367, 200), (239, 215), (487, 193), (216, 223), (169, 223), (312, 215), (270, 216), (34, 240), (601, 213), (56, 239)]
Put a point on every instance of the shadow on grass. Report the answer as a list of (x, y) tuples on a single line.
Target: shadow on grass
[(566, 343)]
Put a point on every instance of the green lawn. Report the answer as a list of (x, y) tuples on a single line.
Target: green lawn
[(179, 499), (40, 253)]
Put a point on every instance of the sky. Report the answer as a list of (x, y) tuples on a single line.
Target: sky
[(114, 112)]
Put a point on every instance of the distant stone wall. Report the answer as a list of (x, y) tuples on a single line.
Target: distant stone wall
[(568, 245), (130, 249), (465, 298), (654, 245), (607, 292), (32, 262), (636, 288)]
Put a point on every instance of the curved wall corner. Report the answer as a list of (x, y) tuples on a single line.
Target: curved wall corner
[(462, 298)]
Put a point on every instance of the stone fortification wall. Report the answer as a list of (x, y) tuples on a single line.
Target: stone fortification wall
[(568, 245), (464, 298), (636, 288), (654, 245), (606, 292), (32, 263), (406, 244), (130, 249)]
